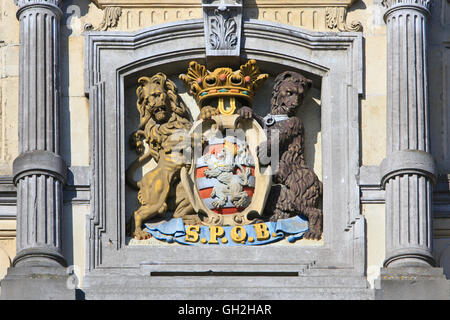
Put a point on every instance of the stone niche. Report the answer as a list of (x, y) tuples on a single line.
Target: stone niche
[(309, 112), (118, 267)]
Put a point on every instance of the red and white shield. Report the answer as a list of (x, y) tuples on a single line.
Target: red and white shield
[(226, 181)]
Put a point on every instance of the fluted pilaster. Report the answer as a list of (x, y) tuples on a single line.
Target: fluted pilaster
[(409, 169)]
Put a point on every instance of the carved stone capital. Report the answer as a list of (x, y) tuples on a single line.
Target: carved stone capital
[(395, 5), (31, 4), (22, 3), (336, 18)]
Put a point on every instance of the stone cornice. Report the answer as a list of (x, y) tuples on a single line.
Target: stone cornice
[(198, 4), (320, 15)]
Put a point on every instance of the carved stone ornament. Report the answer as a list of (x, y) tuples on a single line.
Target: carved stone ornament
[(213, 174), (336, 18), (393, 5), (223, 24), (297, 189), (111, 16), (223, 33), (164, 122), (230, 14), (22, 3)]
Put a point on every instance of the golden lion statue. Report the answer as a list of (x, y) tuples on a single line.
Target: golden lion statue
[(164, 125)]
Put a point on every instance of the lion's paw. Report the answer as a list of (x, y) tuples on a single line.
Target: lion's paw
[(218, 204), (208, 112), (141, 235)]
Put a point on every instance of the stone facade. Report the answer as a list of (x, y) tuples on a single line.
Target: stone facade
[(377, 135)]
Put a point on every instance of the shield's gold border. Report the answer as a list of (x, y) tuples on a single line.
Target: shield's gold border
[(263, 174)]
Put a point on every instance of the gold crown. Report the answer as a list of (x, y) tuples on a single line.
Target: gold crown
[(223, 82)]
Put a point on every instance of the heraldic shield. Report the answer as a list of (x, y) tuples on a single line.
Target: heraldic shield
[(226, 183)]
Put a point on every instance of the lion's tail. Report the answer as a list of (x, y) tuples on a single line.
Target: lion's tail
[(129, 173)]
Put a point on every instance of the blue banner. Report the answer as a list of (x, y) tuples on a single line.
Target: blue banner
[(249, 235)]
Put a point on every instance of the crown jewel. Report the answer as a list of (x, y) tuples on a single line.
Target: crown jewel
[(223, 82)]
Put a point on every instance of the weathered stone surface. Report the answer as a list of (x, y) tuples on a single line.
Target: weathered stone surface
[(410, 283), (223, 28), (344, 227), (139, 14), (408, 170), (38, 270), (218, 282), (36, 176), (37, 283)]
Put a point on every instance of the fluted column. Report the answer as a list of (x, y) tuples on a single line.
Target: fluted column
[(408, 170), (38, 270), (39, 171)]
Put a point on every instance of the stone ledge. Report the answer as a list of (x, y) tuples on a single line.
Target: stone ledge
[(235, 293), (412, 284), (372, 192), (113, 284), (76, 190)]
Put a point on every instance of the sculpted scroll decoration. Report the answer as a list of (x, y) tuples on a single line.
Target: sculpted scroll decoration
[(231, 177), (336, 18)]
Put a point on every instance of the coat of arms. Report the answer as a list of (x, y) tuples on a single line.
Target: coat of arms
[(210, 172)]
